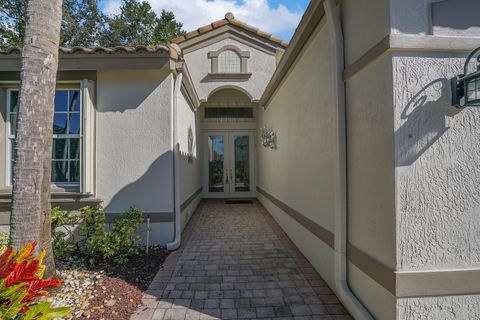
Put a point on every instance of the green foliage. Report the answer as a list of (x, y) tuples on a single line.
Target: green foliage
[(12, 22), (84, 24), (116, 245), (4, 238), (138, 24), (92, 230), (63, 223), (122, 242), (167, 28)]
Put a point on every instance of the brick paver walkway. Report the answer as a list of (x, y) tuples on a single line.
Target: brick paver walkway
[(236, 263)]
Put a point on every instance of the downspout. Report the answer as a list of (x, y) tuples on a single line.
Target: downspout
[(344, 293), (177, 220)]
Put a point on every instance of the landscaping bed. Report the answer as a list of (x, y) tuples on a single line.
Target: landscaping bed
[(106, 291)]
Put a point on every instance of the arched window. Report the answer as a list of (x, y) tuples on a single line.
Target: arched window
[(229, 62)]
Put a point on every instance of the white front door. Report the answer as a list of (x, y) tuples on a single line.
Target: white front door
[(229, 165)]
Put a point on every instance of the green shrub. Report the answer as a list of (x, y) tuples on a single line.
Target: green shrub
[(63, 223), (96, 244), (92, 231), (116, 245), (4, 238), (122, 242)]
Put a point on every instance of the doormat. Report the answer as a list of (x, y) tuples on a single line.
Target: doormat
[(239, 201)]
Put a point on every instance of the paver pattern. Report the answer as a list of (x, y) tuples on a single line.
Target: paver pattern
[(236, 263)]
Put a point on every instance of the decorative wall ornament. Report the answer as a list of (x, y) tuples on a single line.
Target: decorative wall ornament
[(269, 138)]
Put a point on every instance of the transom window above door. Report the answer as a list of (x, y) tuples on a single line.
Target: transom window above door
[(67, 128)]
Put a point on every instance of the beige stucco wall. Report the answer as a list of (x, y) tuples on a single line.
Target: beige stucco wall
[(371, 179), (364, 23), (299, 172), (261, 64), (438, 198), (133, 142), (188, 137), (458, 18)]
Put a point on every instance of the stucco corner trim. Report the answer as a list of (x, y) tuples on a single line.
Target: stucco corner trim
[(320, 232), (190, 199)]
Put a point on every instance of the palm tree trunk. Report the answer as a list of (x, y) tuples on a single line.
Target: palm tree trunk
[(30, 218)]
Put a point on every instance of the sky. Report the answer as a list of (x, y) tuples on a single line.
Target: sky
[(279, 17)]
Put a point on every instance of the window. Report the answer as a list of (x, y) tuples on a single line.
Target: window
[(228, 113), (67, 144), (229, 62)]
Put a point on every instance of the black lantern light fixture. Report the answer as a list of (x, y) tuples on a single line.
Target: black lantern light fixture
[(466, 87)]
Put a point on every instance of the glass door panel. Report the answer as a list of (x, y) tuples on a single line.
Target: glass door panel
[(241, 156), (216, 163)]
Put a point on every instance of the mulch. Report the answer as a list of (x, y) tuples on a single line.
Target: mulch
[(118, 292)]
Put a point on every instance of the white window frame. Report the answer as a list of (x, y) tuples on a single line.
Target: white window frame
[(86, 136)]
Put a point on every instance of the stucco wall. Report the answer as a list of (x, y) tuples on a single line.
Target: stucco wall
[(364, 23), (299, 172), (133, 145), (444, 308), (437, 156), (444, 17), (437, 161), (260, 64), (188, 133), (371, 179)]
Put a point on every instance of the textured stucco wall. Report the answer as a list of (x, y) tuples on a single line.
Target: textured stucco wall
[(133, 145), (260, 64), (456, 18), (439, 308), (438, 198), (437, 156), (299, 172), (188, 134)]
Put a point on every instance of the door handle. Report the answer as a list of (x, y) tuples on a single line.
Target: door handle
[(226, 176)]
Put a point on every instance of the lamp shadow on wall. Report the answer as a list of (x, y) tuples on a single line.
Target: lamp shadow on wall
[(425, 121)]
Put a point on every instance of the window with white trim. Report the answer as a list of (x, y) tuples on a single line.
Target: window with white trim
[(67, 136)]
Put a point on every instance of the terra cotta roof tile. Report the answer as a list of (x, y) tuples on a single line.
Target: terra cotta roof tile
[(229, 19)]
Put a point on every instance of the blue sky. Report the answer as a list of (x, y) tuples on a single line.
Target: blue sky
[(279, 17)]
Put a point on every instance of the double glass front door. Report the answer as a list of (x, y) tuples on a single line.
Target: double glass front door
[(229, 164)]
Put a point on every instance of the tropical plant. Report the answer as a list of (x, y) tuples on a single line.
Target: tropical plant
[(30, 219), (21, 283)]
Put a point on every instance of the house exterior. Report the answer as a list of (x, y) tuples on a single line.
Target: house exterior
[(347, 136)]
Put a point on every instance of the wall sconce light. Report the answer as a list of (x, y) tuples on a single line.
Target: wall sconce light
[(466, 87)]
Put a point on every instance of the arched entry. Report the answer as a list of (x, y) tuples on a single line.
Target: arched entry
[(228, 126)]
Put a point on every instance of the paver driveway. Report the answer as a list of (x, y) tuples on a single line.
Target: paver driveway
[(236, 263)]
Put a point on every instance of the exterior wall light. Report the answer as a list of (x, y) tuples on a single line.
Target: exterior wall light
[(466, 87)]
